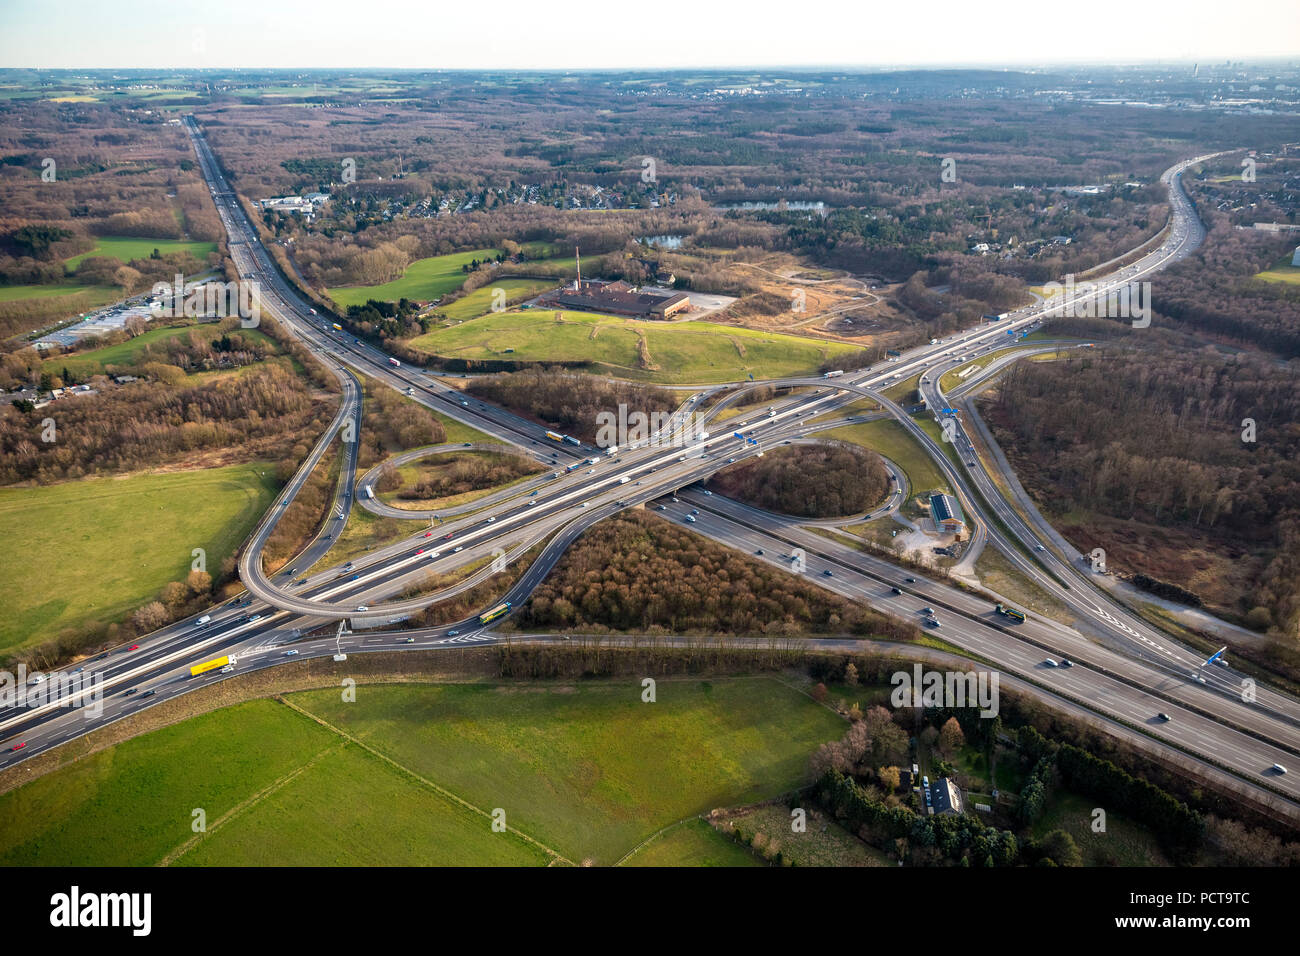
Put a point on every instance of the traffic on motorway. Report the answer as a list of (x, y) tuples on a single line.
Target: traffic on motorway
[(1115, 665)]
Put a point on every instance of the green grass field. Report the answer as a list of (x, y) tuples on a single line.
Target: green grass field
[(589, 769), (1123, 844), (677, 352), (16, 293), (98, 548), (425, 280), (693, 843), (479, 302), (1282, 271), (890, 439), (458, 431), (126, 248), (396, 777), (351, 808), (131, 804)]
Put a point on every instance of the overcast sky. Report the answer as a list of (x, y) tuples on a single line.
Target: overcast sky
[(626, 34)]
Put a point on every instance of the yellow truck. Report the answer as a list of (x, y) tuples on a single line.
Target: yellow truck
[(211, 665)]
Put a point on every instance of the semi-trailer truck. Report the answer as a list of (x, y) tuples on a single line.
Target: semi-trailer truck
[(211, 665), (1011, 613)]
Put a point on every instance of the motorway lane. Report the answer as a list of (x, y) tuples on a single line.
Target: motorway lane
[(900, 367), (1050, 637), (1131, 703)]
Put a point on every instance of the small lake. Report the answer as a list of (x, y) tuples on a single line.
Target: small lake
[(796, 205), (662, 242)]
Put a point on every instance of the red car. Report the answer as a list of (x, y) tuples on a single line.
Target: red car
[(449, 534), (134, 647), (19, 746), (428, 534), (421, 551)]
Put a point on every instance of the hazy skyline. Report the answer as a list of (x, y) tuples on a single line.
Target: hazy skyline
[(666, 34)]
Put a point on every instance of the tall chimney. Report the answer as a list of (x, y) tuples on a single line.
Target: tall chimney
[(577, 258)]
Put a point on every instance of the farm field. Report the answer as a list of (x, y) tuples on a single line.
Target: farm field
[(399, 775), (425, 280), (350, 808), (96, 524), (693, 843), (678, 352), (126, 248), (581, 767), (130, 805)]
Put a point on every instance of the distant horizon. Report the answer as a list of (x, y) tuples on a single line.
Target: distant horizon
[(1290, 61), (670, 35)]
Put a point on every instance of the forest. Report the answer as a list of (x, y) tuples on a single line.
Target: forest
[(162, 422), (809, 481), (1197, 442), (636, 572)]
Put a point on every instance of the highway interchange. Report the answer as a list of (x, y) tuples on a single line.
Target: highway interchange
[(1125, 671)]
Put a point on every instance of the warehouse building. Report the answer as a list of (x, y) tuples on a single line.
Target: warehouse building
[(619, 298), (946, 513)]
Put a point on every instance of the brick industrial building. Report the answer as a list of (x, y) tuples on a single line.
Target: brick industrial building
[(617, 298)]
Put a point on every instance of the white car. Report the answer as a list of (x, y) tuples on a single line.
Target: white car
[(363, 607)]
